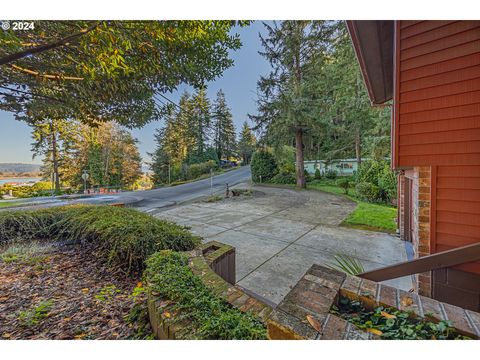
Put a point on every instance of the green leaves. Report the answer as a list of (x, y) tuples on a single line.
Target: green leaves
[(122, 236), (394, 324), (120, 65), (209, 317), (347, 264)]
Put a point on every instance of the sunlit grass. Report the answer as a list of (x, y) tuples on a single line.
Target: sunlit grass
[(8, 204), (378, 217)]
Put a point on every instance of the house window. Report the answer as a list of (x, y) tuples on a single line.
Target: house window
[(346, 166)]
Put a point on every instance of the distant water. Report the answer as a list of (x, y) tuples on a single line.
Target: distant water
[(19, 180)]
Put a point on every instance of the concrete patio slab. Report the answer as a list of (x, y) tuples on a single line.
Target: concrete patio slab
[(230, 219), (365, 245), (279, 233), (251, 251), (274, 228)]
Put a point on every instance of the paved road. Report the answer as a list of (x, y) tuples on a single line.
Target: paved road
[(158, 198), (150, 200)]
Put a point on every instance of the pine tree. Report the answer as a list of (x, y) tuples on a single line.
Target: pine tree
[(198, 112), (246, 144), (294, 50), (223, 128)]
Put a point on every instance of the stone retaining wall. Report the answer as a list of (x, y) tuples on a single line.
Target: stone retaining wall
[(304, 313), (220, 257)]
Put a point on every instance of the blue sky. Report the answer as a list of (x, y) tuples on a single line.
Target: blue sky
[(239, 84)]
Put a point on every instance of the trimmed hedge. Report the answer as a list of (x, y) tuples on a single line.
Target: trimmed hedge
[(122, 236), (210, 317)]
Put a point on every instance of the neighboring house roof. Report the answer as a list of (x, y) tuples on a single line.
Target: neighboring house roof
[(374, 46)]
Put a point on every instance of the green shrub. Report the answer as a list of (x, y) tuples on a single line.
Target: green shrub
[(284, 157), (331, 174), (318, 175), (287, 168), (344, 183), (368, 191), (196, 170), (168, 275), (379, 173), (263, 166), (283, 178), (387, 182), (308, 177), (123, 236), (369, 171)]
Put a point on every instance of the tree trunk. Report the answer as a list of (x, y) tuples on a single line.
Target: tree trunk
[(55, 157), (358, 149), (299, 159)]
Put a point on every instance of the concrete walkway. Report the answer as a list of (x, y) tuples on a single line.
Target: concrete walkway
[(279, 233)]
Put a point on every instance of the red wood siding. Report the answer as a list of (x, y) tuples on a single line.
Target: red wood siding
[(437, 95), (457, 209), (437, 122)]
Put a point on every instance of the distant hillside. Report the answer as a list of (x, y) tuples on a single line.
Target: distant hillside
[(18, 168)]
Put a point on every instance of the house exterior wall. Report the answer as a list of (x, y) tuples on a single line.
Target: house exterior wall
[(437, 72), (436, 132)]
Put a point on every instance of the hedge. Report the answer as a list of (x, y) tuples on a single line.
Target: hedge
[(122, 236), (168, 276)]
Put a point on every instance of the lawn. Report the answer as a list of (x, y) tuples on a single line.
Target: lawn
[(378, 217), (8, 204)]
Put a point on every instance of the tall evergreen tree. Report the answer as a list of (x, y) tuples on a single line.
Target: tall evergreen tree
[(198, 112), (351, 118), (294, 50), (223, 127), (246, 143)]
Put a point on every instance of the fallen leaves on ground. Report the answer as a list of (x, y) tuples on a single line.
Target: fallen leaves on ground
[(83, 305), (406, 301), (314, 323), (387, 315)]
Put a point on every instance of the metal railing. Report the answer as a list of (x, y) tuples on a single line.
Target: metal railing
[(435, 261)]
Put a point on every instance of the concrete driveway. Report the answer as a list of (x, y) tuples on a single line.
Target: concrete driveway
[(279, 233)]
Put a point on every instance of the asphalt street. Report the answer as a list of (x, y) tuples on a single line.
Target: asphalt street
[(151, 200)]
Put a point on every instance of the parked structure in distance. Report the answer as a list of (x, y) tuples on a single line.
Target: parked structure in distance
[(343, 167)]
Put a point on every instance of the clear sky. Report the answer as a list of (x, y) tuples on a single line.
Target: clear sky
[(238, 83)]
